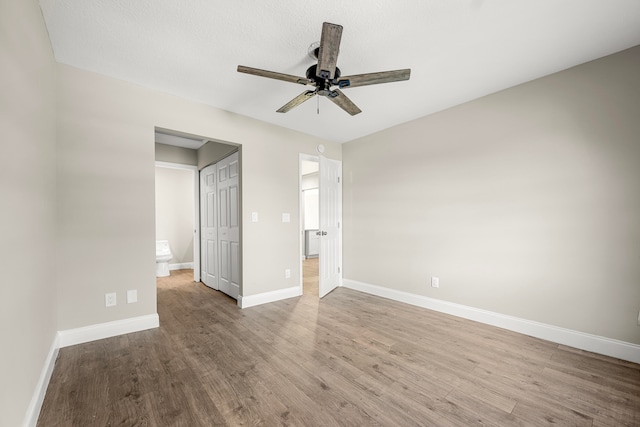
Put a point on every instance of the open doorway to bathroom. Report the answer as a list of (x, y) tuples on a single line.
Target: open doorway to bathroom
[(177, 218), (180, 160), (310, 223)]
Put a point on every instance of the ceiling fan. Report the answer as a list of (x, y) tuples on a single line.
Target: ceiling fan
[(325, 74)]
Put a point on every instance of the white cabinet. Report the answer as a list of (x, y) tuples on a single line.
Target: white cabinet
[(311, 243)]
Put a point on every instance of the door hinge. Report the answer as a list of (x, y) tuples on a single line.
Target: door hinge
[(338, 180), (338, 270)]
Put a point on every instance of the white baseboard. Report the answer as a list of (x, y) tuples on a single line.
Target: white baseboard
[(33, 411), (78, 336), (181, 266), (107, 330), (583, 341), (266, 297)]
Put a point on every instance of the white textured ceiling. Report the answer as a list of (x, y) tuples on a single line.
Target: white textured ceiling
[(457, 50)]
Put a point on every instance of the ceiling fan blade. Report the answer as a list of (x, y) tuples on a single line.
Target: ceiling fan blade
[(273, 75), (329, 48), (341, 100), (374, 78), (304, 96)]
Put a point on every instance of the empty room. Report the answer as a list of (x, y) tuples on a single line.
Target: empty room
[(472, 215)]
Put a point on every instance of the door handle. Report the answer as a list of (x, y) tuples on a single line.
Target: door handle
[(321, 233)]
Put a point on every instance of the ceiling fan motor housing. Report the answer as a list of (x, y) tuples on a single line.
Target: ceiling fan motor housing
[(321, 83)]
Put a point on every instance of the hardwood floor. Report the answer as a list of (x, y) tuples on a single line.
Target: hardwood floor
[(350, 359), (310, 276)]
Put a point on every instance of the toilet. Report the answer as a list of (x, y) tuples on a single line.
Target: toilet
[(163, 255)]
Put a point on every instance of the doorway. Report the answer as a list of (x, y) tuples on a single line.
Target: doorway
[(190, 152), (177, 214), (310, 223), (320, 187)]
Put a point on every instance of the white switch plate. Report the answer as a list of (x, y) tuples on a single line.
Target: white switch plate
[(254, 216), (132, 296), (110, 299), (286, 217), (287, 274), (435, 282)]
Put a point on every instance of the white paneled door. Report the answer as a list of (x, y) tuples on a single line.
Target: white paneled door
[(330, 228), (208, 227), (229, 226), (220, 225)]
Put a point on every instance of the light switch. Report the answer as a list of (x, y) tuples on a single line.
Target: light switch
[(254, 216), (286, 217)]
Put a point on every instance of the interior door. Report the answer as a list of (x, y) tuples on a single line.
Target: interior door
[(208, 229), (229, 225), (330, 261)]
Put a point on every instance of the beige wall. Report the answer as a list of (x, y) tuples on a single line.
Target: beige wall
[(175, 211), (106, 179), (27, 213), (525, 202)]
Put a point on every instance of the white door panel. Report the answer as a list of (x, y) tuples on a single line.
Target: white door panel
[(220, 226), (330, 225), (208, 231)]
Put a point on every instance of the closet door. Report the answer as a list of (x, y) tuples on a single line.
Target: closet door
[(229, 225), (208, 228)]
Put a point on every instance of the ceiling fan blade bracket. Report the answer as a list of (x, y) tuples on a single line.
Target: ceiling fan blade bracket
[(324, 74)]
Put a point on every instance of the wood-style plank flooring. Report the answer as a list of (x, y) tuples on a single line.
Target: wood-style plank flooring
[(310, 276), (350, 359)]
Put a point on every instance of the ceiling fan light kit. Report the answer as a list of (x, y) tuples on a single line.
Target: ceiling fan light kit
[(325, 75)]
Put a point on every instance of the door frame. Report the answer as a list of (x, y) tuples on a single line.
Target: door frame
[(196, 211)]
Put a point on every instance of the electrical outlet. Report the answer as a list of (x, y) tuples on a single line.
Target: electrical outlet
[(132, 296), (110, 299), (435, 282), (287, 274)]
